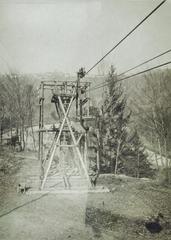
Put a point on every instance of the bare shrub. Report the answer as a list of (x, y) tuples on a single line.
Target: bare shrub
[(164, 176)]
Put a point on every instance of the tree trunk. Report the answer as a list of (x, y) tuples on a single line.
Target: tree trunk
[(160, 152), (23, 137), (157, 164), (1, 132), (98, 161), (165, 150), (26, 136), (34, 141), (138, 161), (117, 156), (31, 123)]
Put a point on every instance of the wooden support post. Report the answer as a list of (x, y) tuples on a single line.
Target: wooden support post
[(41, 125), (85, 152), (77, 94), (98, 149), (88, 96)]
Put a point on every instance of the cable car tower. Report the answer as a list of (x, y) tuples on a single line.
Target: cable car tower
[(68, 149)]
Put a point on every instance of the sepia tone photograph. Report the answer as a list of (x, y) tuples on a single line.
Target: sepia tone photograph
[(85, 119)]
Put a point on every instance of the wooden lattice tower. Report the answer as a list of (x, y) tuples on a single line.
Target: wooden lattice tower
[(66, 96)]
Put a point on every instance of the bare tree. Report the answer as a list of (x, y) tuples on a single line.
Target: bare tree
[(153, 111), (18, 97)]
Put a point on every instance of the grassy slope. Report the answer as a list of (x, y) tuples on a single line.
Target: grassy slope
[(119, 214)]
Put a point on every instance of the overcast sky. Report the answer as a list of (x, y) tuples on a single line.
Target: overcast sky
[(63, 35)]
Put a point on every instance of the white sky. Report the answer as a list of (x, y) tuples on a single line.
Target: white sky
[(63, 35)]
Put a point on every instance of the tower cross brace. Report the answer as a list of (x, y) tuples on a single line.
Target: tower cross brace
[(65, 95)]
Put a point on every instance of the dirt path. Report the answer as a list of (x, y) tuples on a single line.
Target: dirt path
[(49, 217), (102, 216)]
